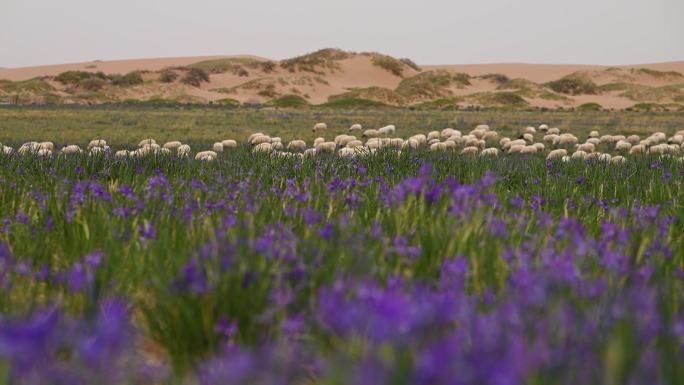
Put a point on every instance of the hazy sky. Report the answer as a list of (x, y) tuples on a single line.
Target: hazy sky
[(35, 32)]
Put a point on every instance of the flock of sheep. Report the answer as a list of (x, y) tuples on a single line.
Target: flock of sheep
[(481, 141)]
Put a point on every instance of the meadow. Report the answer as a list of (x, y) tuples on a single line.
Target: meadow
[(416, 267), (197, 125)]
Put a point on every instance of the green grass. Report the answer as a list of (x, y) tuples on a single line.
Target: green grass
[(289, 101), (125, 125), (353, 103), (589, 107)]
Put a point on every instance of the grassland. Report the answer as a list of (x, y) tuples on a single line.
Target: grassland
[(125, 125)]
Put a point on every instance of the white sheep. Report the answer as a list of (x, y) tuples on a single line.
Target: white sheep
[(637, 149), (594, 134), (309, 152), (296, 145), (586, 147), (554, 131), (491, 135), (258, 139), (184, 150), (579, 155), (354, 143), (347, 152), (676, 139), (319, 127), (528, 150), (617, 159), (438, 146), (229, 143), (566, 140), (121, 154), (449, 144), (411, 143), (252, 136), (172, 145), (558, 153), (46, 146), (206, 156), (528, 138), (328, 147), (28, 147), (71, 149), (387, 130), (516, 148), (7, 150), (477, 133), (148, 141), (317, 141), (623, 145), (593, 141), (44, 152), (97, 143), (448, 132), (422, 139), (483, 127), (470, 150), (539, 146), (530, 130), (433, 135), (543, 128), (355, 127), (265, 147), (633, 139), (217, 147), (491, 151), (550, 138), (370, 133)]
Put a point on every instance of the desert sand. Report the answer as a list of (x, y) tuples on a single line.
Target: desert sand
[(617, 86)]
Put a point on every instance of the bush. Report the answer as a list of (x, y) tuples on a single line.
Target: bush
[(388, 63), (496, 78), (130, 79), (269, 91), (228, 101), (195, 77), (289, 101), (168, 76), (589, 107), (92, 84), (267, 66), (410, 63), (575, 84), (354, 103), (73, 77)]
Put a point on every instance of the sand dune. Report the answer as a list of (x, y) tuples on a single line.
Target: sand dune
[(328, 74), (110, 66)]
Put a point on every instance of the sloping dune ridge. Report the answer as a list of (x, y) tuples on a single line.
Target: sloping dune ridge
[(334, 77)]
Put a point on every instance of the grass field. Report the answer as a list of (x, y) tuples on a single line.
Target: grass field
[(413, 268), (196, 125)]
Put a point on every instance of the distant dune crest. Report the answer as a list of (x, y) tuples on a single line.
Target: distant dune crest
[(337, 78)]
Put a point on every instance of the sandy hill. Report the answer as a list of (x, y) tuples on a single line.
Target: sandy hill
[(333, 77)]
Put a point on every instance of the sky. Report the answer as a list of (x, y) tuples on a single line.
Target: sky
[(39, 32)]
